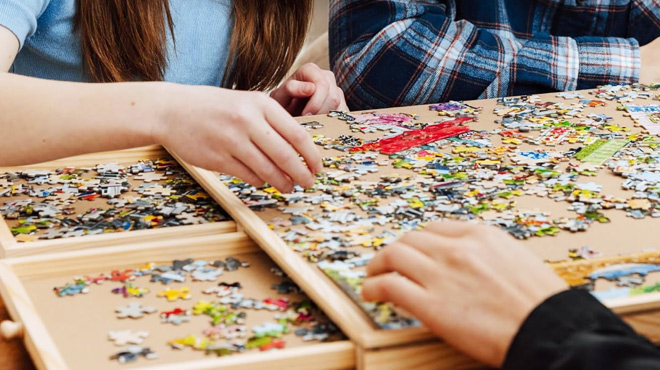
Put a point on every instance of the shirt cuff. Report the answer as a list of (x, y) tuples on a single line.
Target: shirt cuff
[(544, 62), (541, 337), (608, 61)]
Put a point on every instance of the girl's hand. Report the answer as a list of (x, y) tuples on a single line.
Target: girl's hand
[(472, 285), (310, 91), (244, 134)]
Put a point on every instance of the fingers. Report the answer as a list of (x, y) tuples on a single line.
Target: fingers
[(333, 100), (284, 156), (293, 89), (395, 289), (450, 228), (316, 87), (264, 167), (327, 96), (429, 243), (298, 138), (234, 167), (405, 260)]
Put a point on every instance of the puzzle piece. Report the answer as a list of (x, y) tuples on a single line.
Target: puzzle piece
[(224, 289), (168, 277), (159, 190), (79, 287), (176, 316), (124, 337), (270, 329), (131, 353), (194, 266), (150, 177), (129, 290), (206, 274), (313, 125), (175, 294), (222, 331), (570, 95), (181, 264), (133, 310), (4, 183), (190, 219)]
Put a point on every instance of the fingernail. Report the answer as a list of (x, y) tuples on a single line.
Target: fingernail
[(308, 114)]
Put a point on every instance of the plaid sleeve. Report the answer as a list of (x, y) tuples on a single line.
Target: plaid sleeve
[(608, 61), (396, 52)]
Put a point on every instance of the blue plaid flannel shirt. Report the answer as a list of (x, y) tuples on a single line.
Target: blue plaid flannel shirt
[(399, 52)]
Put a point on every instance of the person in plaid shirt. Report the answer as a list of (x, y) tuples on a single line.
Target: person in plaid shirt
[(397, 52)]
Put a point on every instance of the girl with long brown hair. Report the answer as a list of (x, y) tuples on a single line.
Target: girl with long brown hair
[(96, 75)]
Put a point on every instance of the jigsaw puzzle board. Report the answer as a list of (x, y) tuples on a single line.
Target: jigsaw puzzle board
[(556, 222), (92, 200), (52, 323)]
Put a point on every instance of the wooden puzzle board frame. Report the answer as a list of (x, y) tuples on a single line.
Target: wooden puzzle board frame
[(376, 346), (53, 336), (9, 247)]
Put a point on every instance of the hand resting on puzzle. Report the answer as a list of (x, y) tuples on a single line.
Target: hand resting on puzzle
[(244, 134), (471, 285)]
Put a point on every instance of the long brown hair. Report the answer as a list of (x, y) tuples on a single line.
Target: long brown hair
[(125, 40)]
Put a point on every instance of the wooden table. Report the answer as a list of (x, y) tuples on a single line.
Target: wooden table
[(13, 355)]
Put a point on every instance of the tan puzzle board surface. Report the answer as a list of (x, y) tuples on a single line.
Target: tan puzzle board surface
[(79, 325)]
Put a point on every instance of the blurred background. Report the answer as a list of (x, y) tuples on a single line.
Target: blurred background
[(320, 23), (316, 48)]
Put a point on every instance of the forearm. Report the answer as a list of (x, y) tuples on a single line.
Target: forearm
[(44, 120), (420, 54)]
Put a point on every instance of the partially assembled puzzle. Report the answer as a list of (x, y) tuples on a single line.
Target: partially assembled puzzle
[(387, 173), (106, 198)]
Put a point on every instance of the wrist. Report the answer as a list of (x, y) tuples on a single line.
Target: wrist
[(163, 104)]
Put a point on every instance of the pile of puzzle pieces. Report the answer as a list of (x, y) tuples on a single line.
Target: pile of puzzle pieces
[(72, 202), (368, 196), (226, 312)]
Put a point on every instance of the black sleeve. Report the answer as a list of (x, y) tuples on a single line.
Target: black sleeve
[(574, 331)]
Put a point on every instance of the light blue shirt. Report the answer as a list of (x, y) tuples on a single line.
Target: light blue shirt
[(50, 49)]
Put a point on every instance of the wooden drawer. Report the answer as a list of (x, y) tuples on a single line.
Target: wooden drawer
[(71, 332), (11, 246)]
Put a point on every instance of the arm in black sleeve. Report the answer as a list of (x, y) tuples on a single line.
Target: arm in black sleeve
[(574, 331)]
